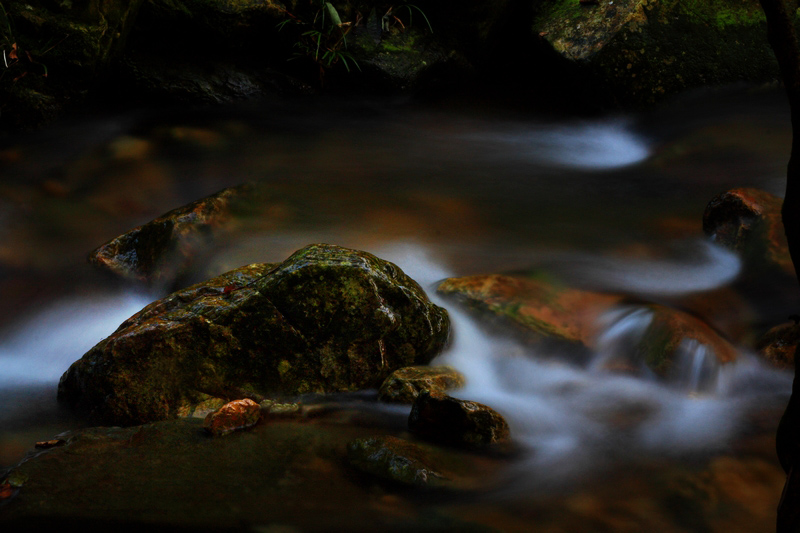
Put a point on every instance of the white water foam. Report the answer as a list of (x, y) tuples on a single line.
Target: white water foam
[(573, 419), (570, 418), (601, 145), (698, 265), (40, 349)]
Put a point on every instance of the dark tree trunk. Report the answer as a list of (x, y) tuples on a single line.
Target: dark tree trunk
[(783, 39)]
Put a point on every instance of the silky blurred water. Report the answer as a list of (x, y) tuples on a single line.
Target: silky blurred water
[(610, 203)]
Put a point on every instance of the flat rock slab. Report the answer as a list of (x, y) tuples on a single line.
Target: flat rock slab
[(541, 309), (173, 474)]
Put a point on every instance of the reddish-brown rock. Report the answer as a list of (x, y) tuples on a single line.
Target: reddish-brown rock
[(540, 308), (749, 221), (668, 333), (238, 414)]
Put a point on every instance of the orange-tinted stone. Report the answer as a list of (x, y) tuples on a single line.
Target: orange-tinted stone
[(238, 414)]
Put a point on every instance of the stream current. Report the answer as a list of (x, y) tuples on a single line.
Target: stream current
[(611, 203)]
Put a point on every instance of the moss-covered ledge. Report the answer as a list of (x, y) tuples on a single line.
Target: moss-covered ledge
[(640, 51)]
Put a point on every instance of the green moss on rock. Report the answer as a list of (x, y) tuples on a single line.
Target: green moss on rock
[(639, 51), (326, 319), (405, 384)]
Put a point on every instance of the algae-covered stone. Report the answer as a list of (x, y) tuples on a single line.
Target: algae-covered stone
[(442, 418), (640, 51), (405, 384), (326, 319), (393, 459)]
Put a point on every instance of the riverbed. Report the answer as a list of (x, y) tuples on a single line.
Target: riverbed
[(613, 203)]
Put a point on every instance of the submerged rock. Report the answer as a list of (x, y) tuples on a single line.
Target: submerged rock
[(326, 319), (162, 249), (462, 423), (405, 384), (235, 415), (394, 459)]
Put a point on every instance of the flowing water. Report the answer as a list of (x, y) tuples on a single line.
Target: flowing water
[(611, 203)]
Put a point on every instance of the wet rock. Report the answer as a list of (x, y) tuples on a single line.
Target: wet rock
[(235, 415), (207, 52), (163, 249), (749, 221), (405, 384), (725, 309), (779, 344), (441, 418), (636, 52), (274, 409), (394, 459), (172, 476), (326, 319), (670, 343), (541, 309), (201, 409), (52, 443)]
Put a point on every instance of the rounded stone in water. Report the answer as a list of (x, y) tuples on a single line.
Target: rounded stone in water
[(327, 319)]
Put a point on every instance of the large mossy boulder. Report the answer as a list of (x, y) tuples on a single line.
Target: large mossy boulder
[(326, 319), (639, 51)]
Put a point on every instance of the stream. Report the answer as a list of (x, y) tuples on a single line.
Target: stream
[(611, 203)]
